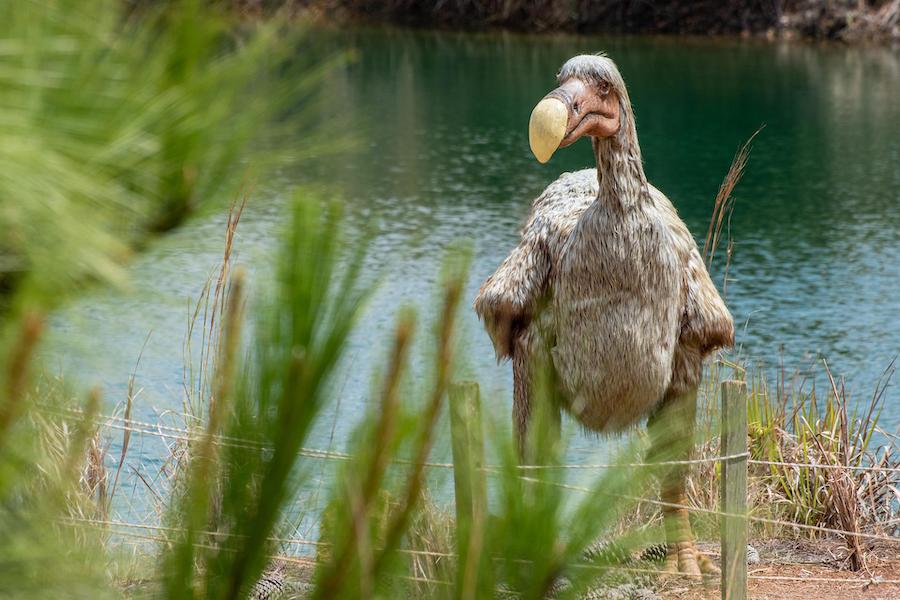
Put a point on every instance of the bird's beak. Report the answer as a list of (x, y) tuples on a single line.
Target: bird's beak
[(547, 127), (571, 111)]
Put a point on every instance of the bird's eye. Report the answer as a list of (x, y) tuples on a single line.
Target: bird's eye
[(604, 88), (575, 107)]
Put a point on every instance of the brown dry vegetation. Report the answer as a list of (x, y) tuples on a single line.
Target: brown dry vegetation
[(847, 20)]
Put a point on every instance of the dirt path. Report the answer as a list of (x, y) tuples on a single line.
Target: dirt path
[(850, 588), (814, 572)]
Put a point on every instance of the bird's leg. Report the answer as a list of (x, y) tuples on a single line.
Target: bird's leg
[(536, 405), (671, 431), (521, 410), (538, 423)]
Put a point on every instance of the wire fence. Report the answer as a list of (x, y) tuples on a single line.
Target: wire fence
[(157, 533), (123, 527), (188, 435)]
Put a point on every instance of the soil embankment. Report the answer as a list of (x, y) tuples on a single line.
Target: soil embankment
[(844, 20)]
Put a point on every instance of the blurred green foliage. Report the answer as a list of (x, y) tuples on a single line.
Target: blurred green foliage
[(119, 125), (233, 495)]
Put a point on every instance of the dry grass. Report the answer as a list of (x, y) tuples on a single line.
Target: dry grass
[(432, 539), (828, 454), (366, 528), (723, 205), (841, 470)]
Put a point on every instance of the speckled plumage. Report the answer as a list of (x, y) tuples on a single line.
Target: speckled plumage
[(609, 278)]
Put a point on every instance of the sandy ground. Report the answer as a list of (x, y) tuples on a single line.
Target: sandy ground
[(806, 563)]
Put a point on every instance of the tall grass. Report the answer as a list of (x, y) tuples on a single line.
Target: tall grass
[(831, 438), (118, 125), (43, 478), (818, 459), (229, 504)]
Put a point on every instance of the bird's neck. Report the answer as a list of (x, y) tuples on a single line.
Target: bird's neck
[(620, 171)]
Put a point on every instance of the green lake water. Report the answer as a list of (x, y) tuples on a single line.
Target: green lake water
[(442, 157)]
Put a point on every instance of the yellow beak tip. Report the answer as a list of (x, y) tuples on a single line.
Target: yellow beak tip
[(547, 128)]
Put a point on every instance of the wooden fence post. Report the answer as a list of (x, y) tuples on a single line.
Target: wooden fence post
[(470, 481), (733, 491)]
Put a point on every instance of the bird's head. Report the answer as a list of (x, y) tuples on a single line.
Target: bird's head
[(591, 100)]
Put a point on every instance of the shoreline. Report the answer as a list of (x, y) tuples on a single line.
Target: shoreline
[(806, 21)]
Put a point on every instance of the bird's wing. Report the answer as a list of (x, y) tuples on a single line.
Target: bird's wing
[(706, 323), (508, 299)]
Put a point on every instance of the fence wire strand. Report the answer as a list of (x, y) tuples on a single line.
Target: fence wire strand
[(187, 435), (710, 511), (581, 566), (126, 528), (146, 428), (183, 434)]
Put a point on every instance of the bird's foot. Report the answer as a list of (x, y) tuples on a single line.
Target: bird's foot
[(683, 558)]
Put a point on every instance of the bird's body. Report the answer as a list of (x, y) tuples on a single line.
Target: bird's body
[(618, 293), (607, 290)]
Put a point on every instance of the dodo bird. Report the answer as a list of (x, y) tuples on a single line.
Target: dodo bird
[(608, 290)]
